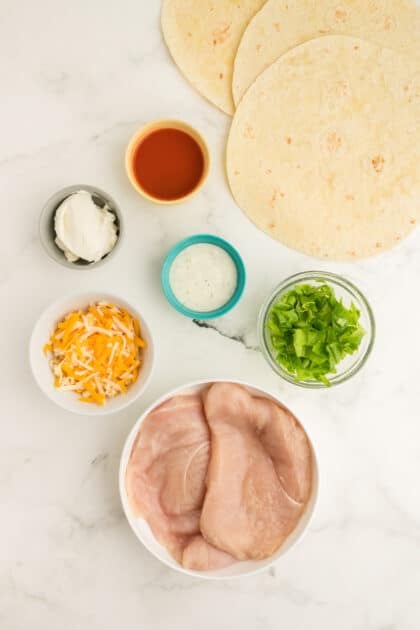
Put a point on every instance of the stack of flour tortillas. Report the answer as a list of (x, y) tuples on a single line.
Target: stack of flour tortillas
[(323, 153)]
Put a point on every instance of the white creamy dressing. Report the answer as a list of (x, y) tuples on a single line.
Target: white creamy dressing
[(83, 229), (203, 277)]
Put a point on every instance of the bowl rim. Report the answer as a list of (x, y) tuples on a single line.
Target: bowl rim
[(50, 207), (155, 125), (94, 410), (210, 239), (309, 512), (335, 280)]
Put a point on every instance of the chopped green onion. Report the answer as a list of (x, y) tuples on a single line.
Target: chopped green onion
[(311, 332)]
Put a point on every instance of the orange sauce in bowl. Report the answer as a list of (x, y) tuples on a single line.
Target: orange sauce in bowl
[(168, 164)]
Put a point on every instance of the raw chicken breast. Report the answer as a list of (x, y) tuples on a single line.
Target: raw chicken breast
[(259, 476), (199, 555), (166, 473), (165, 480)]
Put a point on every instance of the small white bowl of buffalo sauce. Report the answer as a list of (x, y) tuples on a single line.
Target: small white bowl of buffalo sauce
[(167, 161)]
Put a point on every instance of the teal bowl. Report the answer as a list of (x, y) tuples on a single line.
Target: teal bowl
[(209, 239)]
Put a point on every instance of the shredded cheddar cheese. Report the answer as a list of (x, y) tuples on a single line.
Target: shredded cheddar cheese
[(96, 353)]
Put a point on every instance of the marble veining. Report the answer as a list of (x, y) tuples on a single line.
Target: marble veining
[(78, 79), (239, 338)]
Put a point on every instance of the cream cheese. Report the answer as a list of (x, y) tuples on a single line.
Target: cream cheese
[(203, 277), (83, 229)]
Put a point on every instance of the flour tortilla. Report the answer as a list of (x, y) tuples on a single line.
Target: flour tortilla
[(324, 149), (203, 37), (283, 24)]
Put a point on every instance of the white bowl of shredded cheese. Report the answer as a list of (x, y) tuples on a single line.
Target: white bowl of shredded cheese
[(52, 378)]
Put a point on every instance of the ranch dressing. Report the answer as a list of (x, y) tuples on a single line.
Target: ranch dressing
[(203, 277)]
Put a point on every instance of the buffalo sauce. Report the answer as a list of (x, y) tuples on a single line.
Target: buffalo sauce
[(168, 164)]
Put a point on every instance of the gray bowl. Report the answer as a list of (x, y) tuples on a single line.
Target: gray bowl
[(47, 231)]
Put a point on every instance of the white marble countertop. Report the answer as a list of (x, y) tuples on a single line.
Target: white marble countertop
[(77, 79)]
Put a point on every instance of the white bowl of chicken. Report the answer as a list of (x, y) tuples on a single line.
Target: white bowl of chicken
[(218, 479)]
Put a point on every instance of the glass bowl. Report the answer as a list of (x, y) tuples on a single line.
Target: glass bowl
[(348, 293)]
